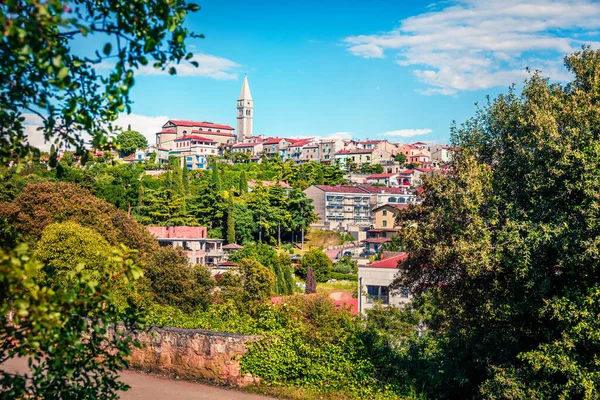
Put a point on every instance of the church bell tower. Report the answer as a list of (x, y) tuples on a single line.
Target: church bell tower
[(245, 112)]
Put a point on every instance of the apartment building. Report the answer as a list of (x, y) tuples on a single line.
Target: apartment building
[(191, 239)]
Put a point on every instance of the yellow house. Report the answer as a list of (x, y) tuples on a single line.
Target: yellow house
[(385, 215)]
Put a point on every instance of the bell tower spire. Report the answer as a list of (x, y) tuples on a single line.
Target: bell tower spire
[(245, 112)]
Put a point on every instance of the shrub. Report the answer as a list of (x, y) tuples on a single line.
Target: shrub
[(319, 262)]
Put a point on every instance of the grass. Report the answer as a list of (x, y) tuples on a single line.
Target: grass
[(346, 286)]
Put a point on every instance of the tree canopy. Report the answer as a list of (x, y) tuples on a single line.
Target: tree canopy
[(504, 247), (129, 141)]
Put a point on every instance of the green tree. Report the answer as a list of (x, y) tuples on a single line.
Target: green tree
[(175, 283), (41, 75), (400, 157), (505, 246), (301, 210), (319, 262), (230, 220), (50, 324), (243, 188), (216, 177), (257, 280), (185, 180), (129, 141), (320, 179), (245, 225)]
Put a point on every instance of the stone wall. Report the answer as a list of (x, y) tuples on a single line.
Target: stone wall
[(195, 354)]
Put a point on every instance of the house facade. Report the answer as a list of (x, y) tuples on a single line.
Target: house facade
[(375, 278), (194, 151), (191, 239), (175, 129), (340, 207)]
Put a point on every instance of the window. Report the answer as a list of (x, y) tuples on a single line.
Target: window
[(384, 213), (384, 223), (392, 200), (404, 293), (378, 293)]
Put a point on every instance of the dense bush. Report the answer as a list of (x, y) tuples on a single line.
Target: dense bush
[(343, 277), (319, 262)]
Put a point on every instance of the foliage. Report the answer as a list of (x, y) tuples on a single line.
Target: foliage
[(346, 265), (64, 329), (41, 75), (506, 246), (311, 284), (371, 169), (129, 141), (320, 263), (279, 264), (230, 221), (175, 283), (400, 157), (343, 276)]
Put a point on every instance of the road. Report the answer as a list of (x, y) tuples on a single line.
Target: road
[(152, 387)]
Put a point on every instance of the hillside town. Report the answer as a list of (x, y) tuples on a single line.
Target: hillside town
[(406, 205)]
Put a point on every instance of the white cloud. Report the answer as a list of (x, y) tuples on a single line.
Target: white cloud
[(208, 65), (478, 44), (146, 125), (35, 137), (407, 132), (367, 51)]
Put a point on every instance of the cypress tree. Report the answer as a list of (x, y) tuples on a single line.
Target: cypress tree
[(289, 279), (230, 221), (168, 180), (311, 284), (186, 180), (243, 183), (177, 180), (216, 179), (320, 179)]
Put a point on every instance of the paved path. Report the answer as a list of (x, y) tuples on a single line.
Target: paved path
[(152, 387)]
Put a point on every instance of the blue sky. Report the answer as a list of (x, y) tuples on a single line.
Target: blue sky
[(376, 69)]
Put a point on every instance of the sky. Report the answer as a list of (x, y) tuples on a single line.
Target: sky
[(396, 70)]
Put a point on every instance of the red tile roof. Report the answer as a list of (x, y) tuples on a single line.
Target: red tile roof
[(355, 151), (394, 205), (203, 124), (376, 176), (196, 137), (407, 172), (178, 232), (273, 141), (166, 131), (382, 189), (390, 262)]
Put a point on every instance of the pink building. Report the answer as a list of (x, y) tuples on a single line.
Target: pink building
[(193, 240)]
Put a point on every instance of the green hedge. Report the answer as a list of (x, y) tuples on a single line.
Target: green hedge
[(343, 277)]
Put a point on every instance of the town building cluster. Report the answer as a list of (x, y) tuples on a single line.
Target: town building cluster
[(366, 207), (195, 142)]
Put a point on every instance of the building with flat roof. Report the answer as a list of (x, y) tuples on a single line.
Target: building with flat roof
[(191, 239), (375, 278)]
